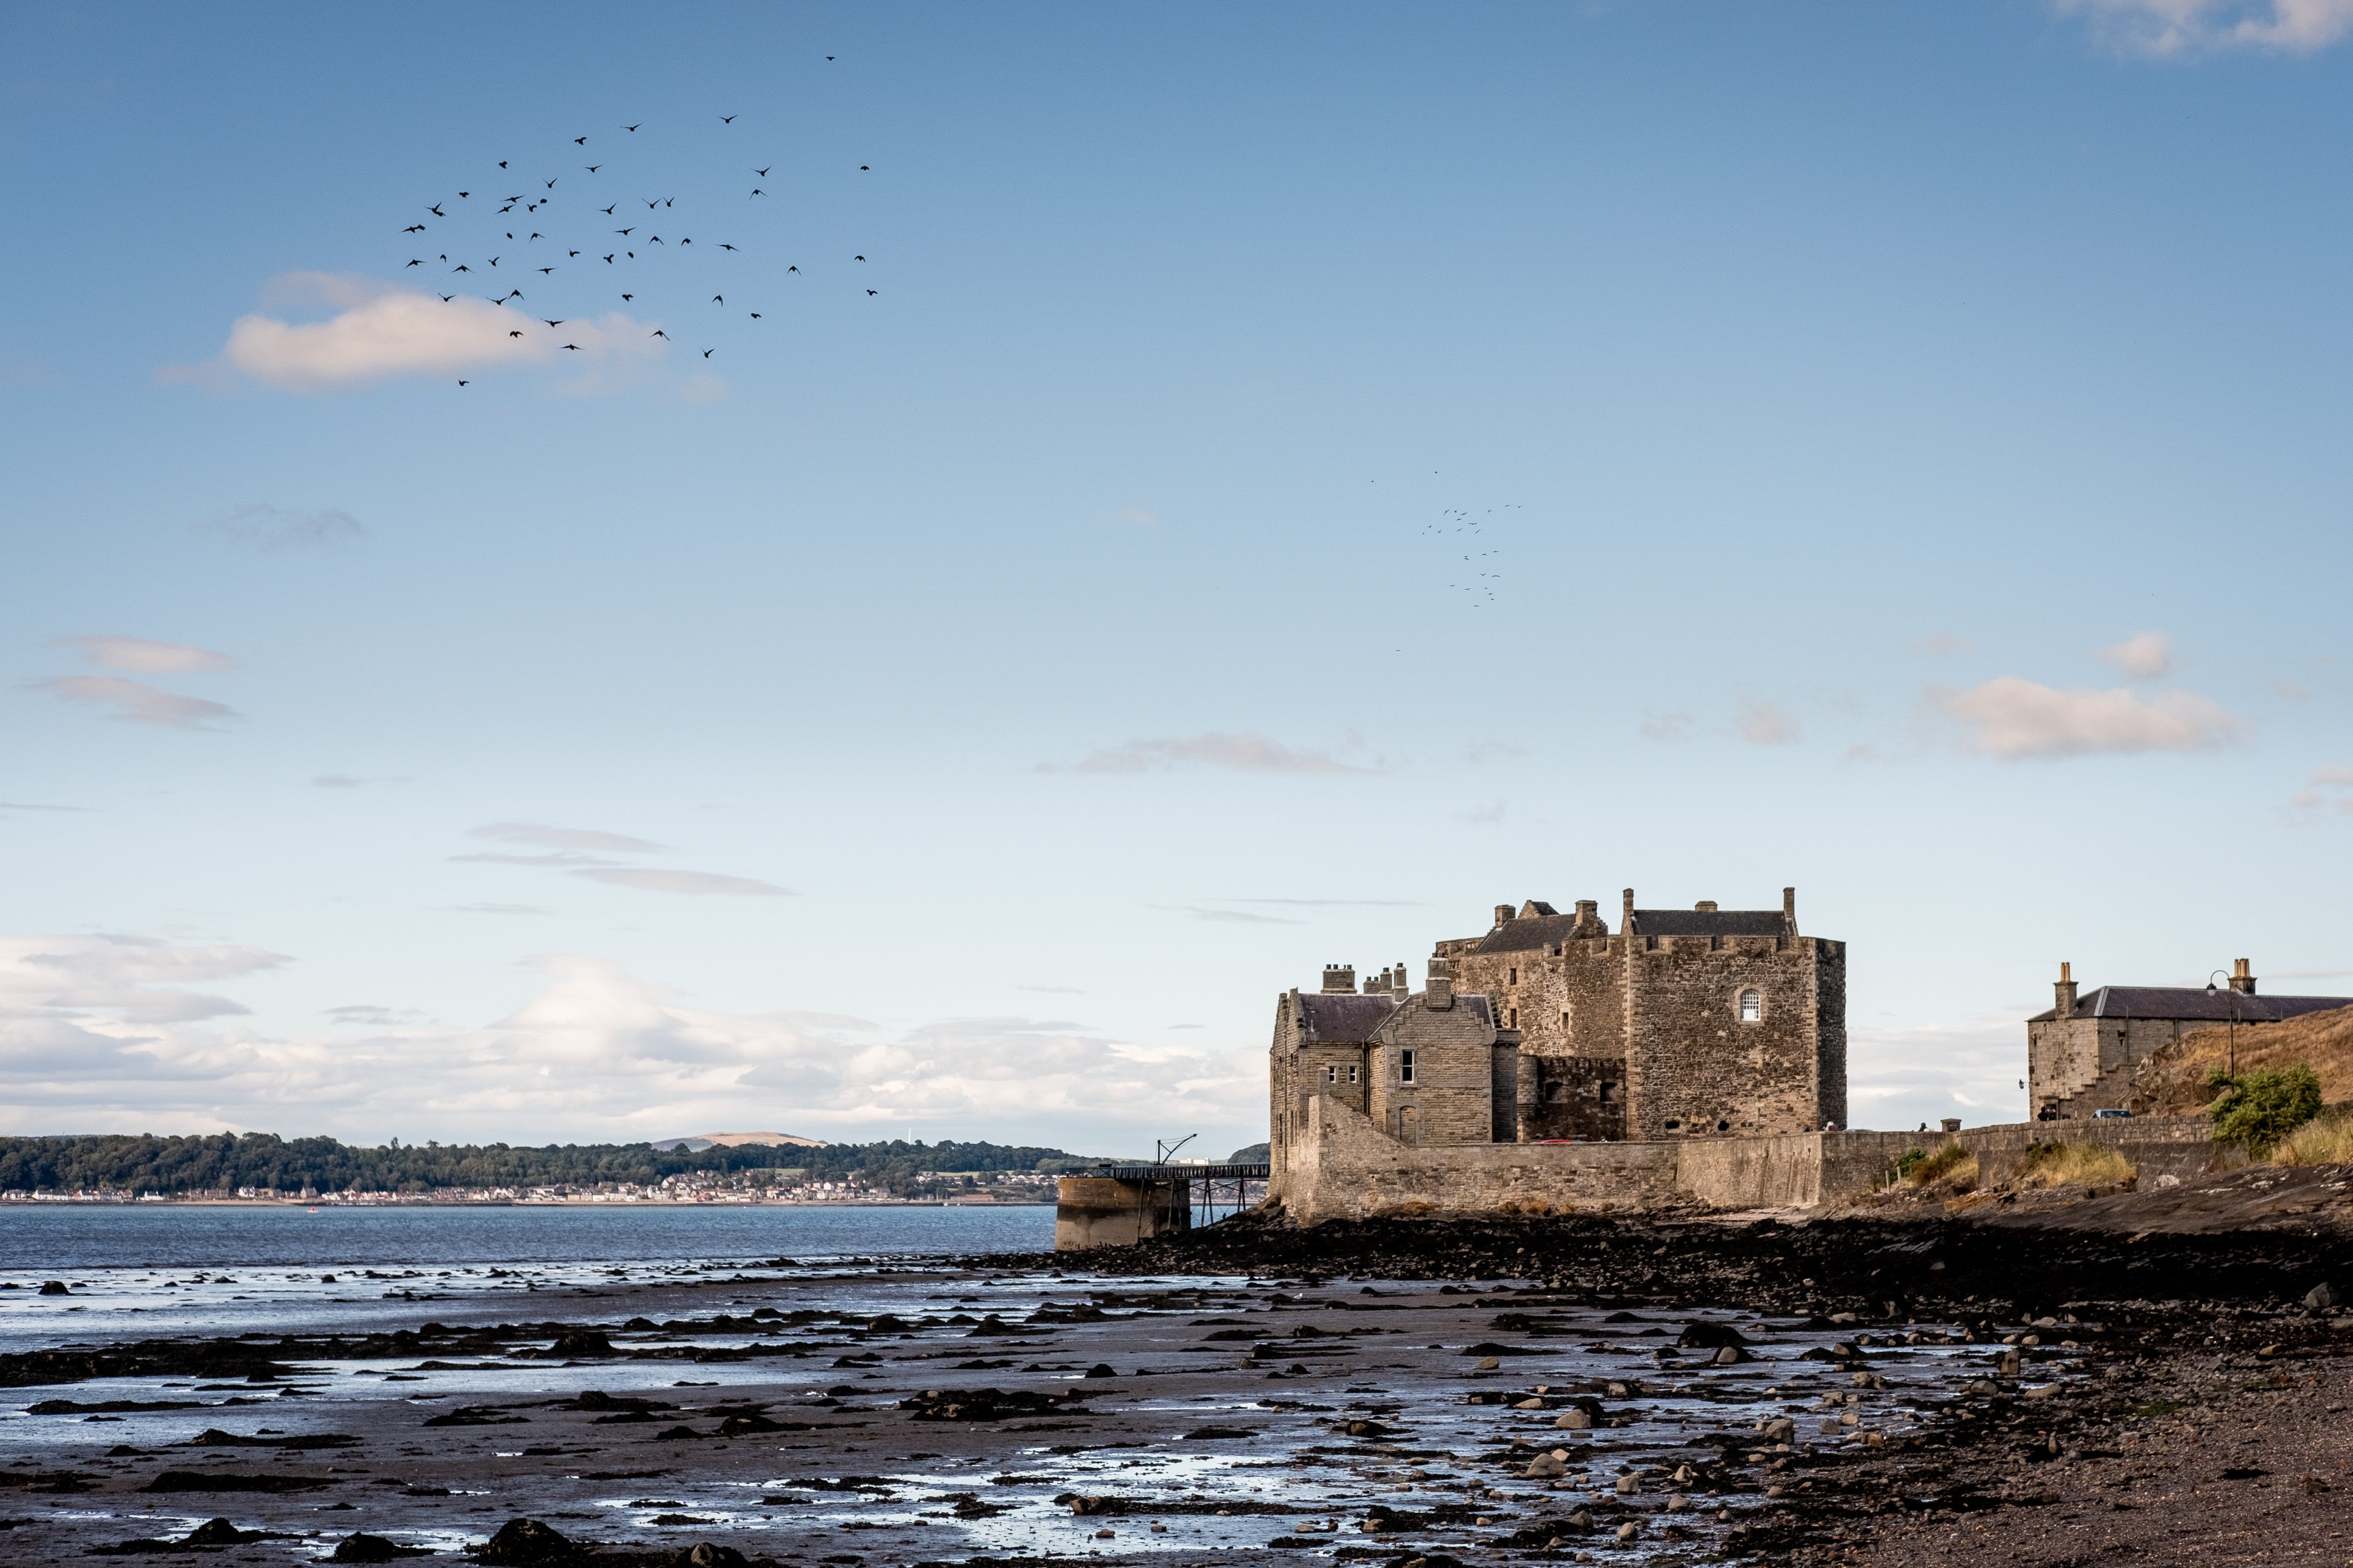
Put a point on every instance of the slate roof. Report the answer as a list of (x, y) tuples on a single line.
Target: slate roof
[(1526, 933), (1708, 922), (1346, 1020), (2192, 1002)]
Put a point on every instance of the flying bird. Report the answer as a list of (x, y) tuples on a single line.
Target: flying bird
[(609, 261), (436, 210), (763, 173), (414, 228), (417, 263), (706, 353), (571, 253), (465, 193), (726, 120), (865, 167), (719, 298), (556, 323), (461, 266), (858, 259), (445, 299), (632, 127), (724, 246), (465, 384), (756, 315), (591, 168), (756, 192), (656, 332), (625, 231), (502, 163), (514, 334), (545, 271), (551, 185), (627, 298), (575, 347), (792, 270), (494, 262), (871, 292), (650, 205), (608, 211), (580, 140)]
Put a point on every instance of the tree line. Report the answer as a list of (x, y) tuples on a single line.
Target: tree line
[(226, 1162)]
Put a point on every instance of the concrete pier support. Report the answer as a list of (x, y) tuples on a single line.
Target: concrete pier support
[(1107, 1210)]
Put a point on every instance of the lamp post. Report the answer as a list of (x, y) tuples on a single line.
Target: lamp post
[(2233, 991)]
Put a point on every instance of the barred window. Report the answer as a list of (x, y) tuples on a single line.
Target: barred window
[(1752, 1007)]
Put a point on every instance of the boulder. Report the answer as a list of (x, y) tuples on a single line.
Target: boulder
[(526, 1544), (1544, 1466), (2320, 1298)]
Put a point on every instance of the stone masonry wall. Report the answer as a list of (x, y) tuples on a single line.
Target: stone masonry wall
[(1451, 1099), (1693, 1067), (1572, 1097), (1568, 1000)]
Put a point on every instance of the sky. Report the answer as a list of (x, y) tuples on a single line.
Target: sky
[(1209, 491)]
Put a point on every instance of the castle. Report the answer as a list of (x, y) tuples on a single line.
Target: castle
[(1551, 1028)]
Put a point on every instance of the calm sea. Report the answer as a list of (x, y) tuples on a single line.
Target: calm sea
[(48, 1239)]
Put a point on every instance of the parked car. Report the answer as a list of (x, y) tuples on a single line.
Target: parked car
[(2104, 1115)]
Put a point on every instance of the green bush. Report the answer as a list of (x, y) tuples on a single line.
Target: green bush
[(1909, 1158), (2258, 1109)]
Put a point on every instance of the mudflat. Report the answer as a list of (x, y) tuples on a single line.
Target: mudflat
[(1864, 1389)]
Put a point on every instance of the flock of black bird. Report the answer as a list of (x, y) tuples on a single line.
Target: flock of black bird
[(578, 231), (1462, 529)]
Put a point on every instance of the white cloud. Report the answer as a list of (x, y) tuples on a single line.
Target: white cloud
[(135, 701), (2144, 656), (141, 656), (595, 1054), (1763, 724), (2334, 775), (273, 528), (694, 883), (1667, 727), (2011, 717), (1226, 917), (382, 330), (562, 837), (1248, 752), (2172, 27)]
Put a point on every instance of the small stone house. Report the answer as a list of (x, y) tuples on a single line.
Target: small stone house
[(2081, 1053)]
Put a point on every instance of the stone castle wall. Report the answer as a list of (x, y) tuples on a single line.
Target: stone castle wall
[(1345, 1168)]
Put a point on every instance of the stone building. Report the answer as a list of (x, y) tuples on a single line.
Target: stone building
[(1682, 1023), (2081, 1052)]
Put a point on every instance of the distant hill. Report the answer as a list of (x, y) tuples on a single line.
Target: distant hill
[(2171, 1081), (699, 1141), (1256, 1155), (224, 1162)]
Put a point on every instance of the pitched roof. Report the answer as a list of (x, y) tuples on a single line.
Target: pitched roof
[(2191, 1003), (1345, 1020), (1709, 923), (1528, 932)]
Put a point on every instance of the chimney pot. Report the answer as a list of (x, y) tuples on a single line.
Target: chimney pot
[(1440, 993), (2065, 991), (2242, 976), (1339, 980)]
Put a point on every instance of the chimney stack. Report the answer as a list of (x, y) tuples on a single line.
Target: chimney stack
[(1789, 908), (1502, 913), (2065, 989), (1339, 980), (1625, 921), (2243, 977), (1706, 906), (1439, 994)]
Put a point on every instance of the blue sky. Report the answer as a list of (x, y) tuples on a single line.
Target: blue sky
[(1302, 477)]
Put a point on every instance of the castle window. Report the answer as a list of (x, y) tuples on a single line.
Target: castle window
[(1331, 1075), (1555, 1092), (1515, 979), (1672, 1126), (1752, 1007), (1352, 1075), (1405, 1066), (1516, 1019), (1563, 1018)]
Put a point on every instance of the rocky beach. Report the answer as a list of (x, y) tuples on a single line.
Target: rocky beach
[(2152, 1375)]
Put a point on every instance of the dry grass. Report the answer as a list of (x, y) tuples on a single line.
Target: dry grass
[(2327, 1141), (1946, 1163), (2073, 1165), (2172, 1081)]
